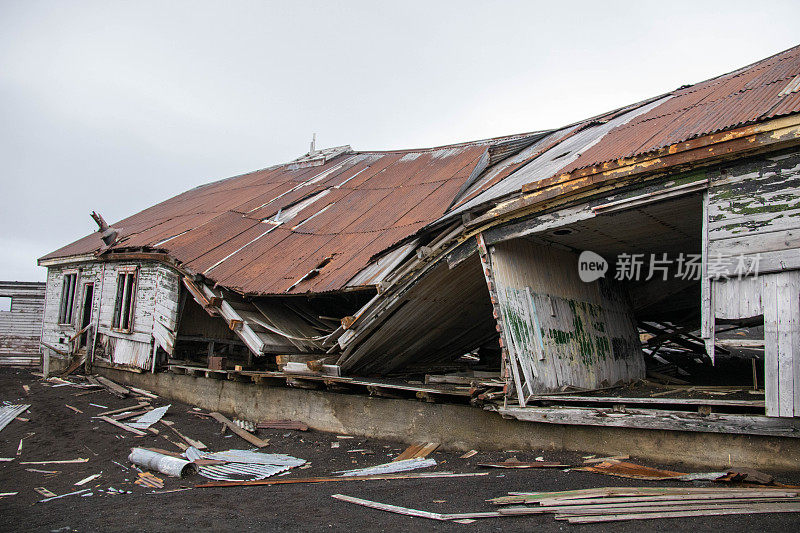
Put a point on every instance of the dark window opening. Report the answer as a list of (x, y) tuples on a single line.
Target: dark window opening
[(67, 298), (86, 313), (123, 305)]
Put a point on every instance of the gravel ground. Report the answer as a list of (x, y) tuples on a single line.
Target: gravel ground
[(55, 432)]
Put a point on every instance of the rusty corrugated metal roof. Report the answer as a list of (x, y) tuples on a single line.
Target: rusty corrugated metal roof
[(755, 93), (261, 232)]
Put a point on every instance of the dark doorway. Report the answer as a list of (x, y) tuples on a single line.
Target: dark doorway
[(86, 314)]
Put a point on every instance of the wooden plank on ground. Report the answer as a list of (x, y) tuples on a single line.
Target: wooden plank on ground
[(114, 388), (383, 477), (767, 508), (123, 409), (416, 451), (246, 435), (122, 426)]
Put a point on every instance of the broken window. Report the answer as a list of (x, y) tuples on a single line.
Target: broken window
[(67, 298), (5, 303), (123, 305)]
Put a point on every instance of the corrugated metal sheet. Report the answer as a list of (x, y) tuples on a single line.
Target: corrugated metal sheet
[(754, 93), (130, 352), (742, 97), (243, 465), (9, 413), (348, 209)]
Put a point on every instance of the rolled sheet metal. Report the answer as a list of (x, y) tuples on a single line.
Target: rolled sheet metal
[(166, 464)]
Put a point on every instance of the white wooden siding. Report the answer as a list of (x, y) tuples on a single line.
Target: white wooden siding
[(21, 327), (155, 311), (558, 329), (754, 209)]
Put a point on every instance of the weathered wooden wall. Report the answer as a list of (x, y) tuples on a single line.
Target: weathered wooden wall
[(754, 208), (560, 330), (155, 310), (776, 297), (752, 264), (21, 327)]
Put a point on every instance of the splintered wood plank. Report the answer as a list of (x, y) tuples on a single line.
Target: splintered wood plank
[(246, 435), (768, 508), (383, 477), (114, 388), (123, 409), (122, 426), (417, 451), (390, 508)]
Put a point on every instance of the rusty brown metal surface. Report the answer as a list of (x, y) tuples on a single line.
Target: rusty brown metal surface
[(261, 232), (741, 97), (759, 92)]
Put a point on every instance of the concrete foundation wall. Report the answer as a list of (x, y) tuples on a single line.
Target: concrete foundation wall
[(459, 427)]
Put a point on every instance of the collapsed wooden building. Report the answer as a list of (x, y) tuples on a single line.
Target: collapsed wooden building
[(551, 261)]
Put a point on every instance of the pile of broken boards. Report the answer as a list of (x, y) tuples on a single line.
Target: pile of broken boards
[(612, 504), (754, 493)]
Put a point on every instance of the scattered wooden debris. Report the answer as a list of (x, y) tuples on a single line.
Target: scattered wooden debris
[(82, 491), (113, 388), (143, 392), (4, 494), (191, 442), (514, 463), (146, 479), (86, 480), (469, 454), (84, 393), (64, 462), (27, 389), (140, 405), (122, 426), (44, 492), (594, 459), (631, 470), (73, 408), (48, 472), (431, 475), (638, 503), (416, 451), (282, 424), (416, 512), (249, 437), (747, 475)]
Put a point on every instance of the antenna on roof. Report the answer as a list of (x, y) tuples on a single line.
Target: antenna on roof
[(313, 149)]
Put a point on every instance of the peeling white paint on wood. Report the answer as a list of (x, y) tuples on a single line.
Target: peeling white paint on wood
[(21, 326), (155, 311), (565, 331)]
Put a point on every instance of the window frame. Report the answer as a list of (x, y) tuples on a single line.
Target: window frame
[(10, 304), (66, 306), (128, 283)]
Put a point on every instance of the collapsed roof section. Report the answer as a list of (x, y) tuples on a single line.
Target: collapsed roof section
[(308, 226)]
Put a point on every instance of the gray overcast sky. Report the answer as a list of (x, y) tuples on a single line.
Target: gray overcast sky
[(115, 106)]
